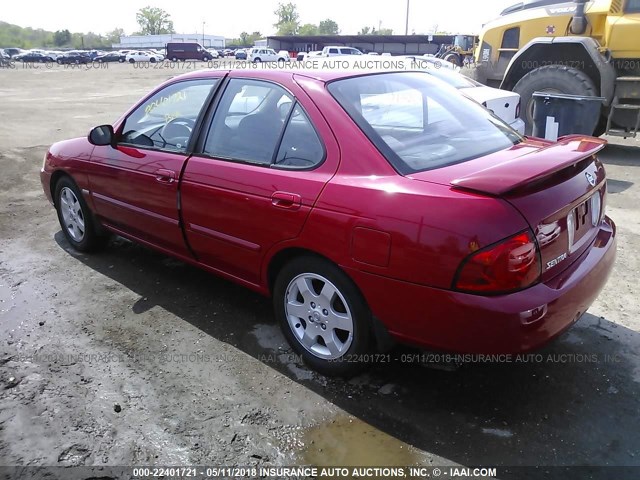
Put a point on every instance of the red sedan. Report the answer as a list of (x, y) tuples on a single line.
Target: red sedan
[(372, 208)]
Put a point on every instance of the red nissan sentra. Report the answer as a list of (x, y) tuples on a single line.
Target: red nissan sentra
[(372, 207)]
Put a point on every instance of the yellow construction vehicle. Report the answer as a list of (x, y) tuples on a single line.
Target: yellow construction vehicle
[(589, 48), (460, 52)]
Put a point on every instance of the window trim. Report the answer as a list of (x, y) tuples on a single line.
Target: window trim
[(213, 110), (195, 133), (274, 166)]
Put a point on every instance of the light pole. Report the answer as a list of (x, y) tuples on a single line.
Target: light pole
[(203, 33), (406, 26)]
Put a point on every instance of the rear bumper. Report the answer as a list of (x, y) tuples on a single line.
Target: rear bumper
[(514, 323)]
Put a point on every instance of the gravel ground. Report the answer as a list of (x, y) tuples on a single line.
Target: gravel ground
[(132, 358)]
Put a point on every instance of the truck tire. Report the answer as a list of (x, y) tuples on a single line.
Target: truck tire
[(553, 79), (453, 58)]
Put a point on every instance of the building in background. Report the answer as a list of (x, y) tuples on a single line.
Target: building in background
[(141, 42), (393, 44)]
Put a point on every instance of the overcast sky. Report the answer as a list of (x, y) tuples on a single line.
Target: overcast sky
[(229, 18)]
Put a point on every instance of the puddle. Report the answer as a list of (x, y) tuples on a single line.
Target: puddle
[(348, 441), (498, 432), (269, 337), (6, 298)]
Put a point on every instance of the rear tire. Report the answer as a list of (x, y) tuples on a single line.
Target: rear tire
[(551, 78), (76, 220), (323, 316)]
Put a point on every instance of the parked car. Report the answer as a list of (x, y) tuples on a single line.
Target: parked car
[(54, 54), (12, 52), (240, 54), (74, 57), (111, 57), (142, 56), (33, 57), (337, 51), (5, 59), (307, 55), (187, 51), (214, 53), (503, 103), (283, 56), (372, 207), (258, 55)]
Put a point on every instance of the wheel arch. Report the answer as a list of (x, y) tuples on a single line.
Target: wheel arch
[(581, 53), (284, 256), (55, 178), (381, 336)]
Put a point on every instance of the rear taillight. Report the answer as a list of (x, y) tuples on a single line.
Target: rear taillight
[(512, 264)]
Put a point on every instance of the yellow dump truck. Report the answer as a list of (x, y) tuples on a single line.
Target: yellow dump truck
[(589, 48)]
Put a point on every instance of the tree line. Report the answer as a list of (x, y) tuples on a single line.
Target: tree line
[(156, 21)]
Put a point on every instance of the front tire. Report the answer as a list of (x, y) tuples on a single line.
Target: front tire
[(323, 316), (553, 79), (453, 58), (76, 220)]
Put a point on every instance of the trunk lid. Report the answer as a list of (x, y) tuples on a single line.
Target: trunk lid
[(559, 188)]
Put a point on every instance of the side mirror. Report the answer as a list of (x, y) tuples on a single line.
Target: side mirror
[(102, 135)]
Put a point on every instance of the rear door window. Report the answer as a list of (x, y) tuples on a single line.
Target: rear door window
[(260, 122), (249, 121)]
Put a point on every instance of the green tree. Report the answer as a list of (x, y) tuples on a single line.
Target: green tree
[(328, 27), (287, 19), (114, 36), (308, 29), (154, 21), (373, 31), (245, 39), (62, 38)]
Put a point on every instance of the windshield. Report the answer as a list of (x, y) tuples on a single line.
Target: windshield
[(419, 123)]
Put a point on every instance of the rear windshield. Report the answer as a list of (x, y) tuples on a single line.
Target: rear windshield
[(420, 123), (453, 78)]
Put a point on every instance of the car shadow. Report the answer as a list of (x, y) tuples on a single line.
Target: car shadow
[(621, 155), (575, 402)]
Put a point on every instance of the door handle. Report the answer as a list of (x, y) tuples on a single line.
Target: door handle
[(286, 200), (165, 176)]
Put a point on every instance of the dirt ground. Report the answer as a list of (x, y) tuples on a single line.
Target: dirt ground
[(131, 358)]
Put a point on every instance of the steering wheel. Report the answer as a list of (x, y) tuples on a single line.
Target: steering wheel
[(179, 127)]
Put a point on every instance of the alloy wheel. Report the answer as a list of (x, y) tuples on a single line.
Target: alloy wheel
[(319, 316)]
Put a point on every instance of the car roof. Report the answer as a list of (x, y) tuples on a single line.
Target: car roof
[(322, 75)]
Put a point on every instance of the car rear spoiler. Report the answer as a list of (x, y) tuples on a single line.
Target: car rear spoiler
[(516, 173)]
